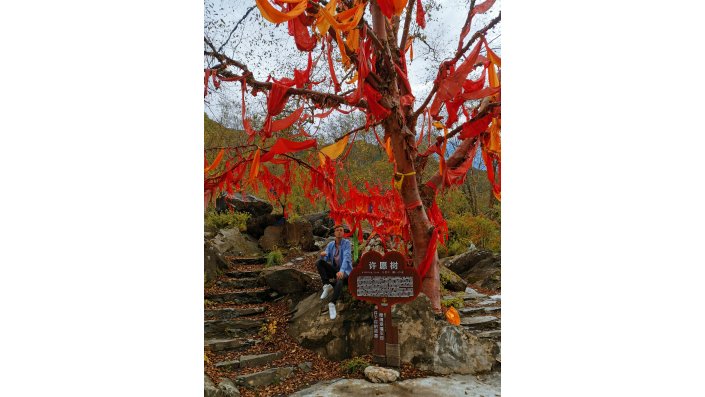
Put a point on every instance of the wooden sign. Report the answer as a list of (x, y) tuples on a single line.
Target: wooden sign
[(384, 280)]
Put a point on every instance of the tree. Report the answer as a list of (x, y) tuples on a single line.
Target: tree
[(371, 40)]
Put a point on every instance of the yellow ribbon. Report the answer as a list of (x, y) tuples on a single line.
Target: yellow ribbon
[(397, 184)]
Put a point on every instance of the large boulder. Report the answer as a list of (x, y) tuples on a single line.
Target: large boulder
[(286, 279), (451, 281), (272, 238), (424, 342), (256, 225), (437, 345), (299, 234), (349, 335), (486, 273), (242, 203), (232, 242), (213, 262), (460, 264), (322, 225)]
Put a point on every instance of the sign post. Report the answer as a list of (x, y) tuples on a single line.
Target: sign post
[(384, 280)]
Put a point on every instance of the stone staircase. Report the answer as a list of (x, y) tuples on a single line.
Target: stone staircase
[(234, 326), (481, 316)]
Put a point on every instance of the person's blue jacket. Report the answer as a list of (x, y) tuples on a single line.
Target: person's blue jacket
[(346, 255)]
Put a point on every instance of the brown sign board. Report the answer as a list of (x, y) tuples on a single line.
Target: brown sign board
[(384, 280)]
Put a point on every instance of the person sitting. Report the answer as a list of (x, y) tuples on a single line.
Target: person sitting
[(334, 266)]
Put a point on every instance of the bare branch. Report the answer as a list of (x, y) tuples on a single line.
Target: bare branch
[(407, 23), (455, 59), (236, 25)]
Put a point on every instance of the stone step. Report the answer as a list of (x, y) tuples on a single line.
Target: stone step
[(243, 273), (248, 260), (226, 313), (215, 345), (495, 333), (484, 322), (264, 378), (232, 327), (244, 297), (249, 282), (253, 360), (478, 310)]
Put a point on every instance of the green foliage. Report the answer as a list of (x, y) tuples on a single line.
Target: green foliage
[(267, 331), (226, 220), (355, 364), (456, 301), (466, 229), (274, 257)]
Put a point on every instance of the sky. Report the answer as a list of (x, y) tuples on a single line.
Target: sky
[(263, 54)]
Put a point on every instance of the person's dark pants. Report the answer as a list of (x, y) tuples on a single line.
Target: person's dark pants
[(327, 273)]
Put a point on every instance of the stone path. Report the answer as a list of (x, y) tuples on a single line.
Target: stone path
[(236, 327), (242, 310), (481, 315)]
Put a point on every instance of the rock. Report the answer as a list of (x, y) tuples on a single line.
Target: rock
[(241, 297), (486, 273), (232, 242), (381, 375), (209, 389), (286, 279), (495, 333), (472, 294), (447, 386), (436, 345), (266, 377), (242, 203), (231, 327), (228, 388), (299, 234), (321, 224), (465, 261), (226, 313), (478, 321), (227, 344), (213, 263), (228, 365), (488, 302), (451, 281), (239, 283), (259, 359), (496, 297), (256, 225), (350, 334), (272, 238), (305, 366)]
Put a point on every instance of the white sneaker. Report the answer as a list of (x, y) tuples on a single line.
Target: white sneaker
[(326, 291), (331, 311)]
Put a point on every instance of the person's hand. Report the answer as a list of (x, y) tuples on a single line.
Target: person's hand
[(323, 253), (339, 275)]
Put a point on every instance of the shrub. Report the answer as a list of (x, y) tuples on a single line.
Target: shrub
[(467, 229), (229, 219), (456, 301), (267, 331), (355, 364), (274, 257)]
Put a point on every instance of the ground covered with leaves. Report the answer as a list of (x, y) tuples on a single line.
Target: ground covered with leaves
[(274, 338)]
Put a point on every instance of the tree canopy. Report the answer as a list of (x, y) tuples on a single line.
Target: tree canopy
[(357, 53)]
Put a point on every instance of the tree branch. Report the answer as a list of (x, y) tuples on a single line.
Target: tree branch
[(236, 25), (454, 60), (407, 23)]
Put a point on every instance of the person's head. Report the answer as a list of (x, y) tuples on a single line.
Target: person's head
[(339, 231)]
